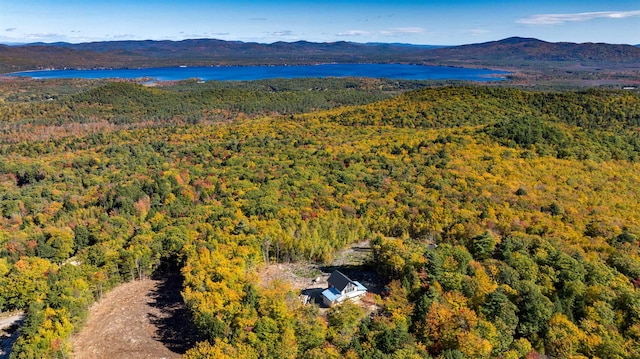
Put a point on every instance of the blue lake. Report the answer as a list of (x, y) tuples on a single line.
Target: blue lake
[(240, 73)]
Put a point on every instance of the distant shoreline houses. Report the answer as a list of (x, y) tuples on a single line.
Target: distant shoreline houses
[(341, 288)]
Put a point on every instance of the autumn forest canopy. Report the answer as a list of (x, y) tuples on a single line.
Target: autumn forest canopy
[(531, 198)]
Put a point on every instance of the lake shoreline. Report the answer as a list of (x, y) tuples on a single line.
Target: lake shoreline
[(262, 72)]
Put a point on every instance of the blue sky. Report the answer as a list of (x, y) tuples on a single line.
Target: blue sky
[(408, 21)]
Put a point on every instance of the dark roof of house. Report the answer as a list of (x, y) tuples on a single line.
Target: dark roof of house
[(338, 280)]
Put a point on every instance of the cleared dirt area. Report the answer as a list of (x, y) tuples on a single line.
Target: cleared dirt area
[(140, 319)]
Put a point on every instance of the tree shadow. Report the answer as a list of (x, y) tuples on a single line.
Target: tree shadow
[(174, 327), (8, 337), (315, 295), (362, 249)]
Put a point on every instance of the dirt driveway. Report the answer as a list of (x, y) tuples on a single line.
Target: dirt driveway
[(140, 319)]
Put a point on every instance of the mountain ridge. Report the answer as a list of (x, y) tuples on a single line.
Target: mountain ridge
[(511, 39), (532, 49)]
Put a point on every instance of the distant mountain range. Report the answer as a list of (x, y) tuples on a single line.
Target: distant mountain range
[(511, 53), (517, 51)]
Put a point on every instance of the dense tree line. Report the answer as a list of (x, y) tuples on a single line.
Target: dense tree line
[(537, 251)]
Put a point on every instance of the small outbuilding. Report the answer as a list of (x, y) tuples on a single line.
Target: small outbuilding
[(342, 288)]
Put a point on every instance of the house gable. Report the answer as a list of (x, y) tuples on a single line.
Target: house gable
[(338, 280)]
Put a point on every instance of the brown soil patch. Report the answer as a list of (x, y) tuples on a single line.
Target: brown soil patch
[(299, 275), (140, 319)]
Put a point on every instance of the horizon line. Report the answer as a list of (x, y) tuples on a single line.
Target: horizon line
[(18, 43)]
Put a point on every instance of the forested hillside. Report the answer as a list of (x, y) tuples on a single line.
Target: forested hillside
[(531, 198)]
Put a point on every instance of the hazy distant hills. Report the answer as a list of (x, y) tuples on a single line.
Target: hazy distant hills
[(511, 53)]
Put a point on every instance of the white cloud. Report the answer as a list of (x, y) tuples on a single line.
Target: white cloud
[(554, 19), (476, 32), (123, 36), (45, 36), (193, 35), (282, 33), (399, 31), (353, 33), (11, 29)]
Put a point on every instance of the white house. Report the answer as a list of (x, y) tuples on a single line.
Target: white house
[(342, 288)]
